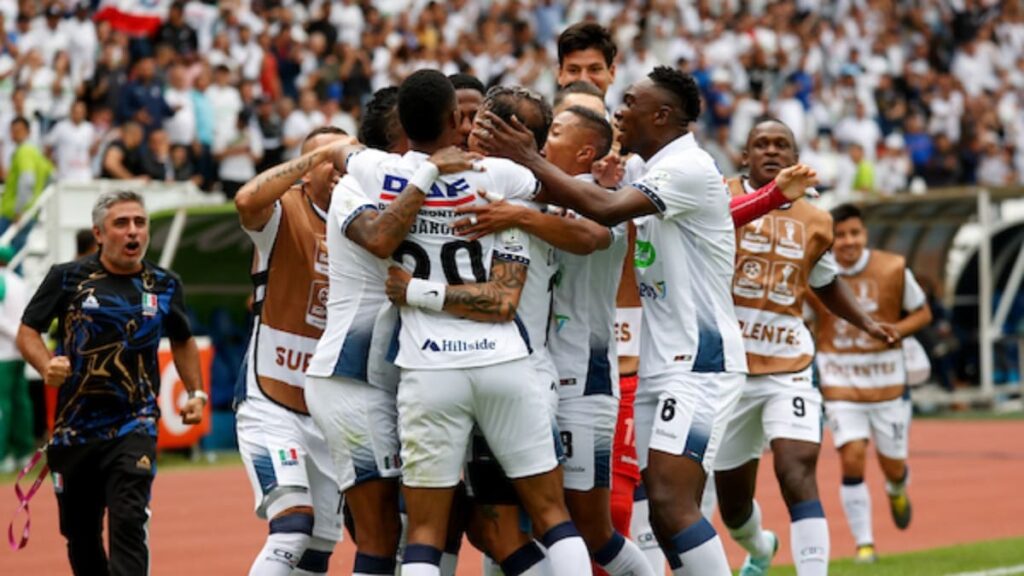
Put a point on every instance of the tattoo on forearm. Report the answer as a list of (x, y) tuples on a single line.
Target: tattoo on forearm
[(495, 298), (395, 222)]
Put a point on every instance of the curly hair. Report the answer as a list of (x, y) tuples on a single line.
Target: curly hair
[(682, 86), (507, 101), (378, 125)]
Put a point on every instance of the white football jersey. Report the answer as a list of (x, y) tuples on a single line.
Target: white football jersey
[(684, 258), (433, 251), (535, 302), (356, 292), (582, 337)]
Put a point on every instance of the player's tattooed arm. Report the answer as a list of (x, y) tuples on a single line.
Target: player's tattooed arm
[(493, 301), (255, 200), (380, 233)]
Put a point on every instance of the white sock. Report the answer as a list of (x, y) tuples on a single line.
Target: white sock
[(857, 505), (643, 535), (316, 559), (620, 557), (421, 560), (566, 550), (489, 567), (280, 554), (809, 538), (449, 562), (699, 552), (420, 569), (751, 536), (710, 498)]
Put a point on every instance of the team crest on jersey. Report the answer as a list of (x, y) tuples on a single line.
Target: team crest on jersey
[(448, 194), (90, 303), (644, 254), (288, 456), (560, 321), (149, 304)]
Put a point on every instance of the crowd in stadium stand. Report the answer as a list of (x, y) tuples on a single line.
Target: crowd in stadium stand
[(884, 96)]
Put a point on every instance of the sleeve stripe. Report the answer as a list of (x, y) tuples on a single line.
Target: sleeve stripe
[(506, 257), (651, 195), (355, 214)]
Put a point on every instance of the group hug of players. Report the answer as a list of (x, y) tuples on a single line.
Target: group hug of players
[(437, 304)]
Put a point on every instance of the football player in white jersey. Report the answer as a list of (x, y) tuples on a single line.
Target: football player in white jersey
[(692, 357), (462, 354), (581, 335), (356, 412)]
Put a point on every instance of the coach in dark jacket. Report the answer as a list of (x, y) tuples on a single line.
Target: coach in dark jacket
[(112, 307)]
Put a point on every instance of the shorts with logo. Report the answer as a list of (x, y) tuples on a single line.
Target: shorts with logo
[(360, 423), (771, 406), (437, 410), (587, 428), (684, 413), (887, 423), (289, 464)]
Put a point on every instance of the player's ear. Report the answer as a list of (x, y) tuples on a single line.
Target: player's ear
[(661, 117), (586, 155)]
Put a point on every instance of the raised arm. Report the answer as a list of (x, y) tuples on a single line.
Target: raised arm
[(255, 200), (380, 233), (493, 301), (515, 142)]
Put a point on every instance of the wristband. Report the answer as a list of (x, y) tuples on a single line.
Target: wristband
[(424, 177), (424, 294), (199, 394)]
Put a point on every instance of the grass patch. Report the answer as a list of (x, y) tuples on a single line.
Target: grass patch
[(166, 461), (936, 562)]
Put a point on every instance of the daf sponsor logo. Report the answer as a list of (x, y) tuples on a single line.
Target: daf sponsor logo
[(458, 345), (440, 193), (654, 291)]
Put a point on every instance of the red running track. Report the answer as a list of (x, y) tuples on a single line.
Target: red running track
[(965, 486)]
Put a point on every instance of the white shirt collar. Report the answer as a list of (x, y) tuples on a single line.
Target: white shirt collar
[(681, 144), (858, 266)]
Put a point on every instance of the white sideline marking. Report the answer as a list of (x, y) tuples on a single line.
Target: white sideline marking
[(1004, 571)]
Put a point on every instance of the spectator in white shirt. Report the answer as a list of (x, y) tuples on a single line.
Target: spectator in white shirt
[(300, 123), (894, 167), (247, 54), (71, 144), (860, 129), (238, 155), (181, 127), (226, 103), (83, 45)]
